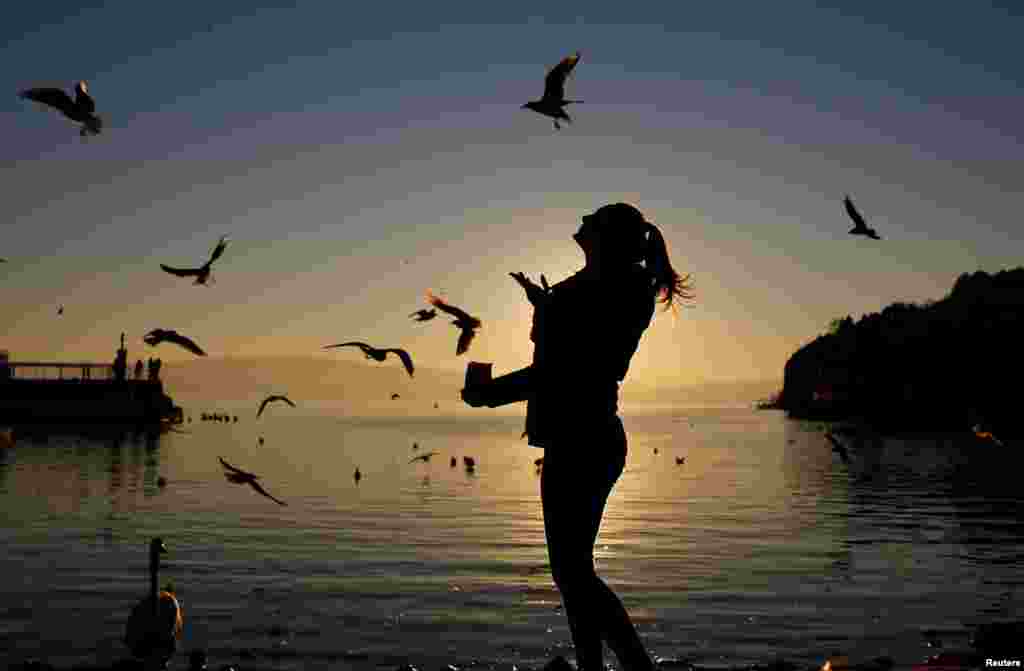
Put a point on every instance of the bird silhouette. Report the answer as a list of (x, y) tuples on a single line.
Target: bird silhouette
[(423, 457), (394, 396), (157, 336), (81, 110), (467, 324), (860, 226), (357, 475), (986, 435), (271, 399), (680, 461), (837, 447), (155, 624), (60, 310), (415, 446), (470, 463), (240, 477), (202, 273), (553, 102), (452, 462), (246, 475), (424, 315), (655, 450), (379, 354), (261, 440)]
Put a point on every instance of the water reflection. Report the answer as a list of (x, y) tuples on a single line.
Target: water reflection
[(919, 514), (763, 532), (63, 469)]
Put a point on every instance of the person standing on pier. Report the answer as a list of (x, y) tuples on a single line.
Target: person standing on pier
[(138, 369)]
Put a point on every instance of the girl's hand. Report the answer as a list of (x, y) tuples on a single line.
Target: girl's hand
[(474, 397), (535, 294)]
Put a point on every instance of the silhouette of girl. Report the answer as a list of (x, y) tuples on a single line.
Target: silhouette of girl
[(585, 331)]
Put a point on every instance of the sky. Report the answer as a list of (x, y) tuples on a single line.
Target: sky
[(357, 158)]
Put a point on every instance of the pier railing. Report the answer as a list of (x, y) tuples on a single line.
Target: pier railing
[(46, 370)]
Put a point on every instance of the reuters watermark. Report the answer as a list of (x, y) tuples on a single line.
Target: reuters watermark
[(993, 663)]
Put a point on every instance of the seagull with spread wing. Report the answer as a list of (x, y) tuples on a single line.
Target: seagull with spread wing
[(240, 477), (157, 336), (553, 102), (424, 315), (271, 399), (466, 323), (202, 273), (423, 457), (379, 354), (81, 110), (860, 227)]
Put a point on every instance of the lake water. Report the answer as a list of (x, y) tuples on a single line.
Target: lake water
[(763, 543)]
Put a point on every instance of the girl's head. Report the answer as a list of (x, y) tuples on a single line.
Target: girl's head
[(618, 234)]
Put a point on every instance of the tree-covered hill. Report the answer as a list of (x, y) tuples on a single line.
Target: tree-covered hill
[(943, 365)]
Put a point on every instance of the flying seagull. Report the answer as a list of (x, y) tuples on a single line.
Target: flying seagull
[(680, 460), (423, 457), (553, 101), (271, 399), (81, 110), (424, 315), (60, 310), (240, 477), (379, 354), (860, 226), (202, 273), (467, 324), (157, 336), (394, 396), (357, 475)]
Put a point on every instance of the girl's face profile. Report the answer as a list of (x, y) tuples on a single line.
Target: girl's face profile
[(584, 237)]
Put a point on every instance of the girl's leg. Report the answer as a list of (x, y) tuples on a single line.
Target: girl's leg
[(574, 494), (573, 504)]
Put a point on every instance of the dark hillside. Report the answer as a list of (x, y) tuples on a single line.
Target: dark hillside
[(944, 365)]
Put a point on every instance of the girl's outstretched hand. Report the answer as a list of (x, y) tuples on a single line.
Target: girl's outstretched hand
[(535, 294), (474, 397)]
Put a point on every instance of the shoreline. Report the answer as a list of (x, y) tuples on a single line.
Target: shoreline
[(268, 660)]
